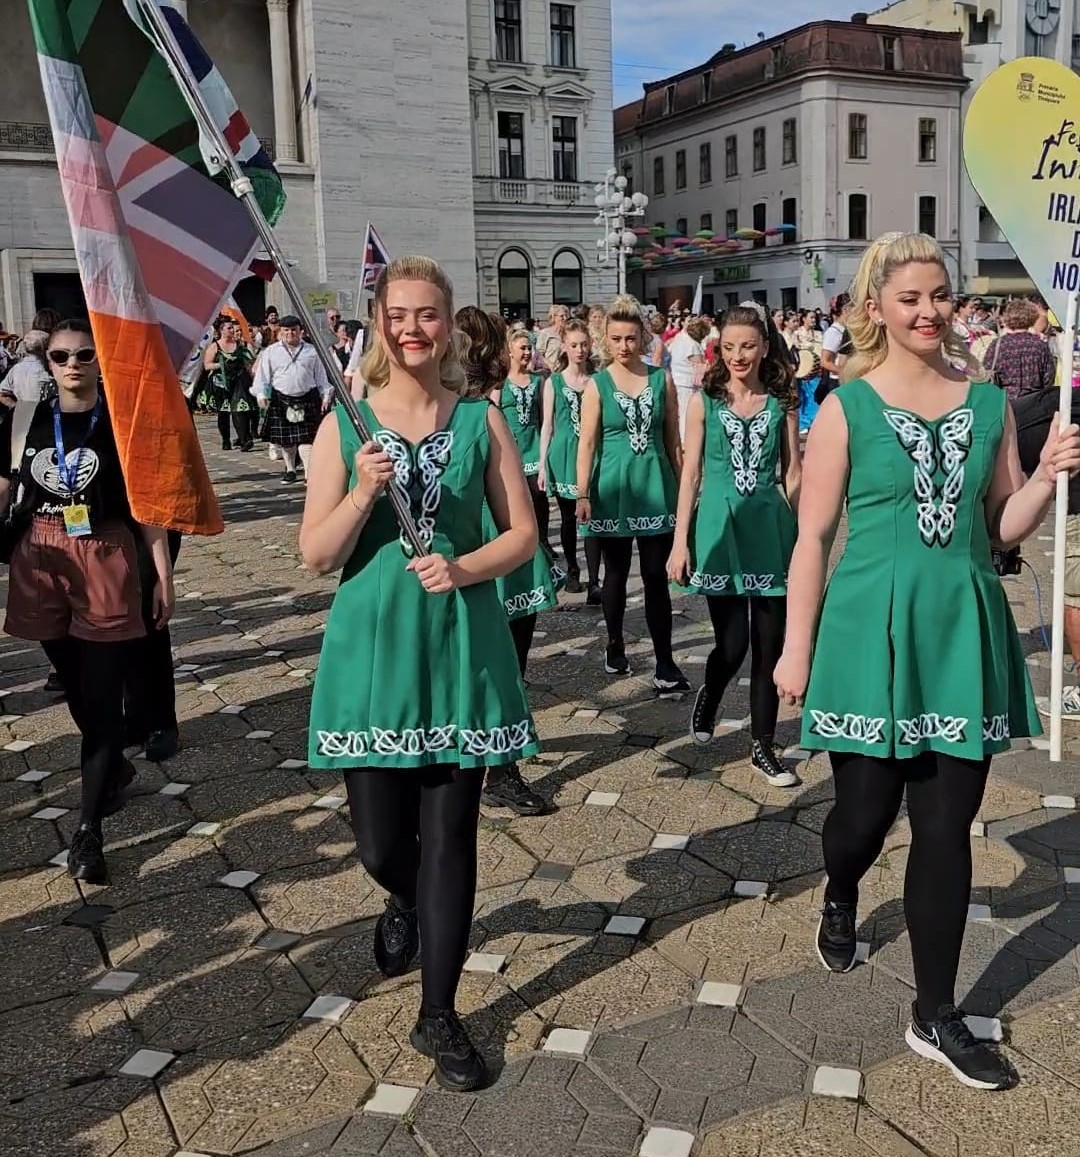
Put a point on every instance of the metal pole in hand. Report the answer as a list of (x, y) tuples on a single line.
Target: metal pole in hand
[(245, 193), (1061, 505)]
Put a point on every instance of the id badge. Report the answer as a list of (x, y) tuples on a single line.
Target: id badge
[(77, 520)]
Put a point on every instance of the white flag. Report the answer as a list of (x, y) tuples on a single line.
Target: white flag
[(695, 309)]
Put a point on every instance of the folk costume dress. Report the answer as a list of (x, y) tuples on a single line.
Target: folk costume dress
[(565, 435), (406, 678), (533, 587), (743, 531), (226, 388), (522, 408), (916, 647), (633, 488)]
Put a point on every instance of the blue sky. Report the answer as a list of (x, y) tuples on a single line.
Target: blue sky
[(654, 38)]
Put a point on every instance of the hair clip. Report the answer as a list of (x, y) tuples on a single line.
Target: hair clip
[(758, 308)]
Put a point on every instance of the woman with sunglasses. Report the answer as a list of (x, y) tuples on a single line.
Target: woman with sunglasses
[(74, 579)]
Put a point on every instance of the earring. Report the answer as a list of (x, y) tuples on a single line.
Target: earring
[(879, 321)]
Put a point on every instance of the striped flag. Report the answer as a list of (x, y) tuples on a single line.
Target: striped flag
[(159, 244), (376, 259)]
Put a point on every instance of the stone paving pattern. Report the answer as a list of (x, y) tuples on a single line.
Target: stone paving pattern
[(223, 976)]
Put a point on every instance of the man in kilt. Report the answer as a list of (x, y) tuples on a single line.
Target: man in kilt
[(293, 392)]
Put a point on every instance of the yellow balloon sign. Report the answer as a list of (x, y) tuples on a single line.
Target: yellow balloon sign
[(1022, 151)]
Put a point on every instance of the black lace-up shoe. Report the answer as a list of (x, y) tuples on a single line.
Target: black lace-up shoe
[(615, 661), (505, 788), (948, 1040), (397, 939), (836, 937), (442, 1037), (593, 599), (573, 582), (86, 859), (703, 716), (669, 682), (764, 759)]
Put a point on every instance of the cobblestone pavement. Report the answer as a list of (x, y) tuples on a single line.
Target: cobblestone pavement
[(643, 977)]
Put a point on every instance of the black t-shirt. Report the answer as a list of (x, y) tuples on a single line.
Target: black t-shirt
[(1034, 413), (41, 488)]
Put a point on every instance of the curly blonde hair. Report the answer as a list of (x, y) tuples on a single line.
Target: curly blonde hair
[(870, 343), (375, 366)]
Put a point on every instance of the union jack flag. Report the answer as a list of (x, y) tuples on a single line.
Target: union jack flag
[(376, 259)]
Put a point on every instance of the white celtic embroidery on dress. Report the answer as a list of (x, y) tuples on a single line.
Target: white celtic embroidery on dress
[(930, 725), (573, 402), (524, 397), (746, 461), (711, 584), (638, 413), (525, 602), (935, 506), (432, 457), (860, 728), (504, 740), (996, 728), (642, 525), (604, 526), (757, 583)]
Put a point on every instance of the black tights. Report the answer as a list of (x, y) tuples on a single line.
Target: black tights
[(568, 540), (653, 551), (243, 421), (92, 675), (542, 507), (943, 798), (416, 834), (744, 623), (522, 632), (224, 427)]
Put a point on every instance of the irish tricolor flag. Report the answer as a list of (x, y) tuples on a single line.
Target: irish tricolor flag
[(160, 245)]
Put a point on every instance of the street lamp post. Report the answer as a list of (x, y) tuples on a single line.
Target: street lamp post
[(616, 210)]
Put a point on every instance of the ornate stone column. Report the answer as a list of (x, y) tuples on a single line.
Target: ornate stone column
[(282, 80)]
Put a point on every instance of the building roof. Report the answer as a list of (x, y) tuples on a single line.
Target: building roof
[(854, 46)]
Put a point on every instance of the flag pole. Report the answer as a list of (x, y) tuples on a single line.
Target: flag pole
[(243, 190), (1061, 506), (363, 270)]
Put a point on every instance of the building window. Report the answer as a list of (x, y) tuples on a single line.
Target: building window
[(708, 305), (789, 213), (760, 210), (511, 145), (658, 176), (927, 140), (732, 300), (790, 143), (628, 174), (856, 217), (515, 286), (928, 216), (731, 156), (680, 169), (705, 164), (706, 87), (761, 296), (508, 30), (888, 53), (789, 298), (563, 51), (669, 100), (706, 221), (759, 148), (856, 136), (731, 222), (680, 226), (566, 287), (564, 146)]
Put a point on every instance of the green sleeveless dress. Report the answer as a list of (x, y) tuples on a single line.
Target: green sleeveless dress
[(633, 487), (565, 435), (408, 679), (522, 408), (916, 647), (743, 531), (531, 588)]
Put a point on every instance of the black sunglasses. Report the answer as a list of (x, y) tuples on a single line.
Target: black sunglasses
[(83, 356)]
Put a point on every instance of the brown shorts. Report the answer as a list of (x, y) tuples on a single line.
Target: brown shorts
[(1072, 560), (85, 588)]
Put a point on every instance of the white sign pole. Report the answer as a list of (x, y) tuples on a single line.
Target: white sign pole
[(1057, 649)]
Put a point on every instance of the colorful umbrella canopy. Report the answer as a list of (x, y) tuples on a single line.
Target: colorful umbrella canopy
[(705, 234), (679, 240), (748, 234)]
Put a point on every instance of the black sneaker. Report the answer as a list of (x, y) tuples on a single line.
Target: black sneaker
[(397, 939), (703, 716), (505, 788), (593, 598), (573, 582), (442, 1037), (669, 681), (615, 662), (948, 1041), (86, 858), (288, 477), (53, 684), (763, 758), (226, 445), (162, 745), (836, 937)]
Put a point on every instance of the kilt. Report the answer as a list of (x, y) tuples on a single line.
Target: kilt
[(279, 431)]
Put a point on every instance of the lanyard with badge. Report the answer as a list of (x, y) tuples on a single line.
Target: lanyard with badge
[(76, 514)]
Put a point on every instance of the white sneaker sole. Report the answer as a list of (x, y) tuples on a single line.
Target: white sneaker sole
[(824, 963), (788, 779), (925, 1049)]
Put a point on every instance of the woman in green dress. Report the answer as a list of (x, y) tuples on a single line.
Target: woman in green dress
[(226, 384), (911, 669), (735, 529), (417, 691), (628, 459), (521, 400), (559, 437)]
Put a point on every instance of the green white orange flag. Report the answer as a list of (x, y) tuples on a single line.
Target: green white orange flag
[(159, 243)]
